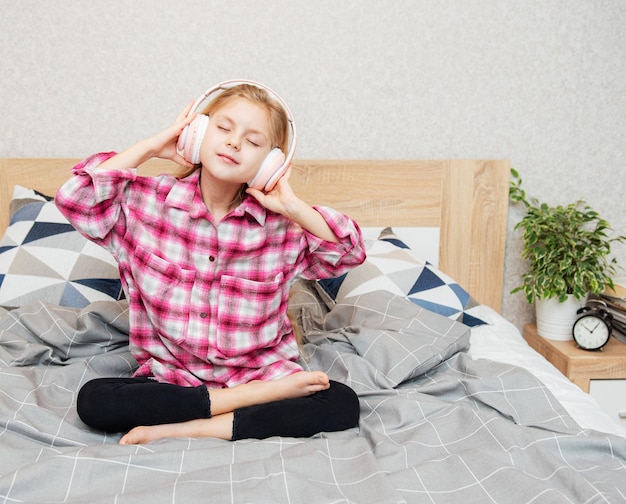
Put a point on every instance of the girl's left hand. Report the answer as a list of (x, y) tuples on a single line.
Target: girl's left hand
[(284, 201), (280, 199)]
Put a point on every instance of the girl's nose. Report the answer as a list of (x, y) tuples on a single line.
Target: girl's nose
[(233, 142)]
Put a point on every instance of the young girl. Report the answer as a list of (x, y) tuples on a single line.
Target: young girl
[(206, 263)]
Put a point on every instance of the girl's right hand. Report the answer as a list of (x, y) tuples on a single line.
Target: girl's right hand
[(163, 144)]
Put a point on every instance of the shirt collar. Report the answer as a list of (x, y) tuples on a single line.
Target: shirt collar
[(253, 208), (185, 194)]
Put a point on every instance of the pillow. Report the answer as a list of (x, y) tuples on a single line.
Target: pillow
[(43, 258), (392, 266), (370, 349)]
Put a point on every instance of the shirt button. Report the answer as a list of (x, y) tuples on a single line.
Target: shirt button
[(202, 315), (211, 258)]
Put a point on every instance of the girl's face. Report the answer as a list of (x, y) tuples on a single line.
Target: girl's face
[(236, 141)]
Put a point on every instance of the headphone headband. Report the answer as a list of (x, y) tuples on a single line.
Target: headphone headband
[(223, 86)]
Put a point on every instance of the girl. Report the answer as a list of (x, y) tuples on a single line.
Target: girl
[(206, 263)]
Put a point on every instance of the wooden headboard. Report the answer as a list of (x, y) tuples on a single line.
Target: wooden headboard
[(467, 200)]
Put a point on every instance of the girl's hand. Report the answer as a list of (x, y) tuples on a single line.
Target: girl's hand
[(283, 200), (280, 199), (163, 144)]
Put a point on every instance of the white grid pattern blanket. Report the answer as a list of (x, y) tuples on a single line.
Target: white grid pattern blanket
[(436, 426)]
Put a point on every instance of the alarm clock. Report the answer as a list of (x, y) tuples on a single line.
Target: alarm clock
[(592, 329)]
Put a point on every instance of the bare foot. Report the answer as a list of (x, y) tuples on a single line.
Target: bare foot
[(218, 427), (301, 384), (145, 433)]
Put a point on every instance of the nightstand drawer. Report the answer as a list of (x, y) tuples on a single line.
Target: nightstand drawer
[(611, 396)]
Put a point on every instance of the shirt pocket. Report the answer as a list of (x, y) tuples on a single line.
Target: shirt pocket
[(165, 291), (249, 314)]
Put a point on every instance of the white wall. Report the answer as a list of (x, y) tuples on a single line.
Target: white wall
[(542, 83)]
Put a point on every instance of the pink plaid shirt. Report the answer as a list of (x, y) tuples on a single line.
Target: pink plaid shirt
[(207, 301)]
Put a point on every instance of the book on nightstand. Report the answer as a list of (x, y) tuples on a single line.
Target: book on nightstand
[(615, 301), (619, 331)]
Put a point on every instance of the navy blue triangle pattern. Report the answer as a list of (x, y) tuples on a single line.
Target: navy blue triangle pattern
[(471, 321), (331, 285), (396, 242), (40, 230), (426, 281), (109, 286)]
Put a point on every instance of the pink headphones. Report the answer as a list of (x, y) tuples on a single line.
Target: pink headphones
[(275, 163)]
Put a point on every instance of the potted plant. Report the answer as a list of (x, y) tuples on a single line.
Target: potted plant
[(568, 251)]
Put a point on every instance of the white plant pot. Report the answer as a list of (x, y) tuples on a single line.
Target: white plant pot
[(554, 319)]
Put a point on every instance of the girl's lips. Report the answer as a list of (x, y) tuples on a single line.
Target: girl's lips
[(228, 158)]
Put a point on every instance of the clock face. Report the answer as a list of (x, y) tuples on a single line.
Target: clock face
[(591, 332)]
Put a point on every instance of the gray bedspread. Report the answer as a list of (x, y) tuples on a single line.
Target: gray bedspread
[(436, 426)]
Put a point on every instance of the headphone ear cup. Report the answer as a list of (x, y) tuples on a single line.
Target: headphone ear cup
[(271, 169), (190, 139)]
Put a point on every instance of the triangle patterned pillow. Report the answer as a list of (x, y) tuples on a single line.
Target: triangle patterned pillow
[(392, 266), (43, 258)]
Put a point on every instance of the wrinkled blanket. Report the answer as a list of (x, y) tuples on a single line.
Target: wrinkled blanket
[(436, 426)]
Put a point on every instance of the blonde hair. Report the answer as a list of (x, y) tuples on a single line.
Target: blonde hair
[(298, 335), (277, 116)]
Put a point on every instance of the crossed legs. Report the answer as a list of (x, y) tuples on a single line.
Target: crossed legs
[(299, 405)]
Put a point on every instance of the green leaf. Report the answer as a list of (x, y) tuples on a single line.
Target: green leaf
[(567, 247)]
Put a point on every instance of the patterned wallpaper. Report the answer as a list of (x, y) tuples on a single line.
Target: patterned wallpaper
[(540, 83)]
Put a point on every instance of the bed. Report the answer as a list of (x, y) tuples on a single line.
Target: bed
[(455, 406)]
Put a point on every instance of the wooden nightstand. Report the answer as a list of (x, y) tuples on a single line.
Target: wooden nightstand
[(601, 373)]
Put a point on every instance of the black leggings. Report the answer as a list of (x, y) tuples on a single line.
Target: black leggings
[(119, 404)]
